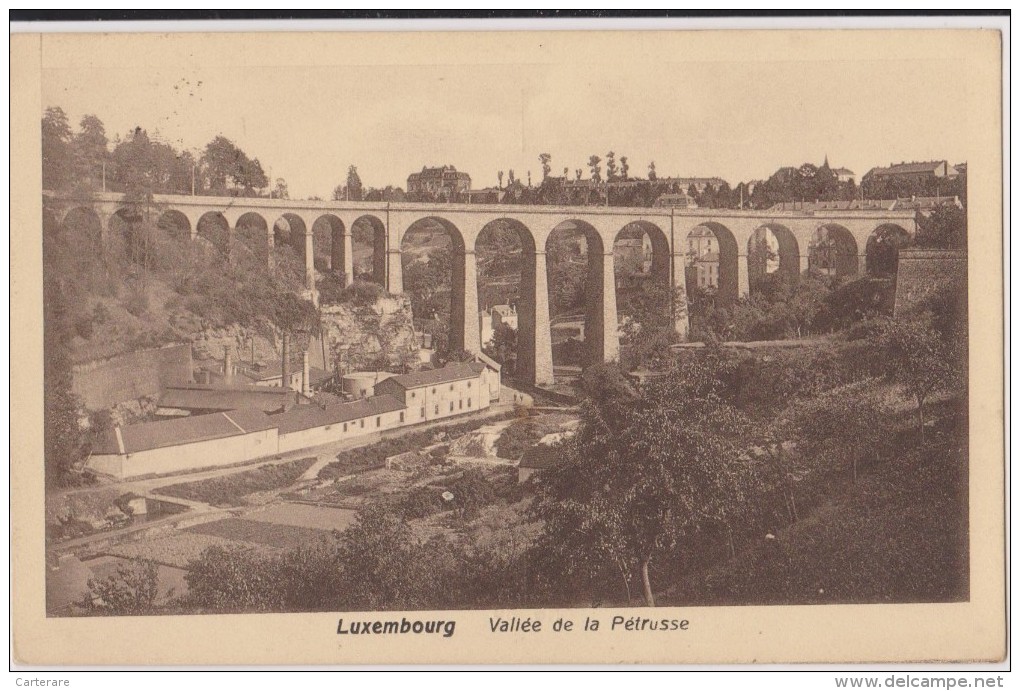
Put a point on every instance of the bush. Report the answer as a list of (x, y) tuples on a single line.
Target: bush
[(230, 489), (362, 294), (420, 502)]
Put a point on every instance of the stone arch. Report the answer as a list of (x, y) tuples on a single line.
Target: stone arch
[(511, 273), (289, 231), (175, 224), (721, 272), (833, 251), (85, 221), (328, 243), (772, 249), (882, 249), (641, 268), (252, 231), (214, 229), (571, 243), (436, 270), (370, 231)]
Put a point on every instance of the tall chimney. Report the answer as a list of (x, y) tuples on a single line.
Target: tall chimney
[(228, 365), (306, 371), (285, 372)]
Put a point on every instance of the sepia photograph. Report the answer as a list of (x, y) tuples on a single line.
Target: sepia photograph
[(459, 333)]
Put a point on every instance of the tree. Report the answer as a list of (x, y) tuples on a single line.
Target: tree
[(503, 347), (56, 150), (90, 151), (280, 190), (945, 228), (227, 168), (499, 175), (624, 168), (919, 359), (546, 168), (849, 423), (65, 444), (354, 187), (611, 170), (651, 171), (131, 589), (595, 167), (645, 473)]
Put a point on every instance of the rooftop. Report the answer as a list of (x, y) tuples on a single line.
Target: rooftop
[(913, 167), (184, 430), (311, 416), (455, 371), (223, 397)]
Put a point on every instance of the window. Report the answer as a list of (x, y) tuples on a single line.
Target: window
[(451, 406), (437, 409), (460, 404), (329, 427), (433, 389), (412, 394), (362, 423), (451, 387), (422, 411), (345, 427), (401, 416), (378, 421), (469, 402), (469, 385)]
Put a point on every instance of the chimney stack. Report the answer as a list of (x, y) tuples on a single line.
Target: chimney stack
[(228, 365), (306, 371), (285, 371)]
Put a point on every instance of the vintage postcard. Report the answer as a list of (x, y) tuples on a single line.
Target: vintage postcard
[(349, 347)]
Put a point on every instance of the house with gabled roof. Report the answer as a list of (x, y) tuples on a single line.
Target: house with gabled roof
[(457, 388)]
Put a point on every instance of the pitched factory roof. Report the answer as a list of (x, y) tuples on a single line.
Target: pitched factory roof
[(452, 372), (311, 416), (213, 397), (185, 430)]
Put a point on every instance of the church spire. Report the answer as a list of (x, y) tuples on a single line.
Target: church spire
[(826, 163)]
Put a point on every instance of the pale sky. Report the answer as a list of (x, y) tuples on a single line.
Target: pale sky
[(738, 120)]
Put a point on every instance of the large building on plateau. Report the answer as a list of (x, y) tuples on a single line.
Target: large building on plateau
[(443, 183), (921, 172)]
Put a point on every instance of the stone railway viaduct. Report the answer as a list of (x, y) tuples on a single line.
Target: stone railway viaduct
[(796, 232)]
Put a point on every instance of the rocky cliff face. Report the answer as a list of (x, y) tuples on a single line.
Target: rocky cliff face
[(366, 336)]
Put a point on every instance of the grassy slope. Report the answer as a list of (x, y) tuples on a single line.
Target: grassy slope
[(899, 535)]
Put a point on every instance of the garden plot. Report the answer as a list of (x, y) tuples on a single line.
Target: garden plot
[(174, 550), (274, 535), (304, 516)]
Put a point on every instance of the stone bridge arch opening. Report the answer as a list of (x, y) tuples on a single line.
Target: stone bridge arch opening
[(214, 230), (712, 263), (507, 292), (252, 232), (289, 247), (882, 249), (328, 243), (83, 222), (833, 252), (434, 265), (582, 309), (641, 268), (175, 224), (773, 258), (368, 249)]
